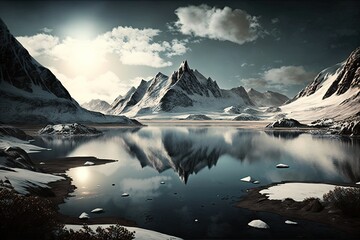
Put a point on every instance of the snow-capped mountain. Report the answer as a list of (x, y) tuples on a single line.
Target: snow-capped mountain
[(31, 93), (267, 98), (334, 93), (183, 91), (97, 105)]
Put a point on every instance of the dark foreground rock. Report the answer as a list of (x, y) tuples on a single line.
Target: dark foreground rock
[(15, 157), (6, 130)]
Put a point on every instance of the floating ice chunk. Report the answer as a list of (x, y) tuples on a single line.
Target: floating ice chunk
[(258, 224), (246, 179), (162, 182), (249, 179), (84, 215), (358, 183), (125, 195), (41, 163), (281, 165), (196, 220), (88, 163), (97, 210), (290, 222)]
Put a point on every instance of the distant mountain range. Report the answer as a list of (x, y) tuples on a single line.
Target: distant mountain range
[(334, 93), (31, 93), (188, 90), (97, 105)]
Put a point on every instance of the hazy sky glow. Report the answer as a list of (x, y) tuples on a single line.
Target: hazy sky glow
[(99, 49)]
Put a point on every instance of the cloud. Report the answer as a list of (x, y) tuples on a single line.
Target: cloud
[(280, 78), (106, 86), (39, 44), (247, 64), (220, 24), (288, 75), (46, 30), (132, 46)]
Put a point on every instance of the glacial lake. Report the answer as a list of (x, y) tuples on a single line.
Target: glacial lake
[(185, 181)]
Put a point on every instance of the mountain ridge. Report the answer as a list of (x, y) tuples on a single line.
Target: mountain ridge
[(334, 93), (185, 89), (31, 93)]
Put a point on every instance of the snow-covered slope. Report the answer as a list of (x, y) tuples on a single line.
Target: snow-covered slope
[(185, 90), (29, 92), (335, 93), (267, 98), (97, 105)]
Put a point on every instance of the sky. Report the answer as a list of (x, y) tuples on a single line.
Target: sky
[(99, 49)]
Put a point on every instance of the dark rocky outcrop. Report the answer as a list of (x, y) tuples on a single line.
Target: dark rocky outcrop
[(69, 130), (285, 123)]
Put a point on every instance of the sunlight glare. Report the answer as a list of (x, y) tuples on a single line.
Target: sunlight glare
[(82, 174)]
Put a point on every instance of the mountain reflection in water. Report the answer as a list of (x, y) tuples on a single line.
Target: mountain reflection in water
[(188, 150), (177, 174)]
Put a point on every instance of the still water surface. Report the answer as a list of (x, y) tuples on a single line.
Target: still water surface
[(176, 175)]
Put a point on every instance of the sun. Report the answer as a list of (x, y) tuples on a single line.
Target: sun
[(84, 56)]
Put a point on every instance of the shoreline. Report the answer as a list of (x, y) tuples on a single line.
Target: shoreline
[(255, 201), (62, 189)]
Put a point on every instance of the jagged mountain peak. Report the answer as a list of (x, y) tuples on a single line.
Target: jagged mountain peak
[(349, 76), (184, 66), (252, 90), (160, 75)]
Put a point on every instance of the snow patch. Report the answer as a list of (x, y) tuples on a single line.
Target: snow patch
[(22, 179), (7, 141), (298, 191), (140, 233)]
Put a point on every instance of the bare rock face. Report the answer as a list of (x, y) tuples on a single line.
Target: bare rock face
[(16, 157), (22, 71), (14, 132), (349, 77), (351, 128)]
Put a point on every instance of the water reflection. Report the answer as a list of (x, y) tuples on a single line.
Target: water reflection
[(188, 150), (210, 161)]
